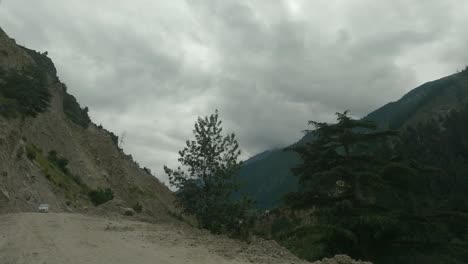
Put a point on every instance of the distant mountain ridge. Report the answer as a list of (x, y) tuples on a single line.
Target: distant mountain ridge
[(424, 102), (268, 177)]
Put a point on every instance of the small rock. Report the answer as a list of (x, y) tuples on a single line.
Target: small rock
[(127, 211)]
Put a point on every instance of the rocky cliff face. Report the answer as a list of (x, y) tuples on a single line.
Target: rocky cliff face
[(10, 55), (93, 157)]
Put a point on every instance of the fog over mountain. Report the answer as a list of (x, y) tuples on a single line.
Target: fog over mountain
[(149, 68)]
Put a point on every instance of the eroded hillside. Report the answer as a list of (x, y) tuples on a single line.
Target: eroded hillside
[(94, 159)]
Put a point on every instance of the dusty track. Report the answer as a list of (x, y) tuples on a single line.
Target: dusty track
[(58, 238)]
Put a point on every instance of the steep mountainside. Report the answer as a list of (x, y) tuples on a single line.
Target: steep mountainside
[(40, 120), (429, 100), (268, 177)]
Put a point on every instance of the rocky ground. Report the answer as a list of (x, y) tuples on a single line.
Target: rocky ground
[(57, 238)]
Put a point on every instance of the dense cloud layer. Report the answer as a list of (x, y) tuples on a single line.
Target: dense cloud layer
[(149, 68)]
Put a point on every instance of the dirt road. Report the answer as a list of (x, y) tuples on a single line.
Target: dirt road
[(59, 238)]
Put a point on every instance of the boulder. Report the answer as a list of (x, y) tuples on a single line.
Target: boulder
[(127, 211)]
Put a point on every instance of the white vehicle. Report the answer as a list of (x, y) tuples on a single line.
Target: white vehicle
[(43, 208)]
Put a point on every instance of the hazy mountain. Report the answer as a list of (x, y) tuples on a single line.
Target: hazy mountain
[(267, 176)]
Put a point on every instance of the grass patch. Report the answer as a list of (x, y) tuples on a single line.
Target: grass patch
[(72, 185), (31, 152), (54, 167)]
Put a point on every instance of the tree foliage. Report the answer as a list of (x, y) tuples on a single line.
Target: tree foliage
[(58, 161), (23, 92), (337, 163), (372, 202), (73, 110), (101, 196), (206, 178), (443, 142)]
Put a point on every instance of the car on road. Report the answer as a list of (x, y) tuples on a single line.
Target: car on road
[(43, 208)]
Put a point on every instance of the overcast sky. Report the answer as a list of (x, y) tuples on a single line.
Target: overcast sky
[(148, 68)]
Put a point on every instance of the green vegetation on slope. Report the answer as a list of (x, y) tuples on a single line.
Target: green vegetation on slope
[(101, 196), (380, 201), (270, 178), (23, 92), (266, 177), (54, 167), (43, 62), (447, 93), (73, 110), (442, 142)]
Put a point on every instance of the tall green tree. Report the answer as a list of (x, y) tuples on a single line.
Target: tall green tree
[(25, 90), (339, 176), (371, 203), (336, 163), (206, 179)]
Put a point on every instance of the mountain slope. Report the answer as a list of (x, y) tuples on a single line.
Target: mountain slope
[(268, 177), (94, 160), (427, 101)]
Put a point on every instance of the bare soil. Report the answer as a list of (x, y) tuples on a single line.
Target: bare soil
[(58, 238)]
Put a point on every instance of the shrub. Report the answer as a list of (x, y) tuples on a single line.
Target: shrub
[(58, 161), (74, 111), (114, 138), (30, 152), (138, 207), (465, 71), (147, 170), (43, 62), (24, 92), (101, 196), (8, 107)]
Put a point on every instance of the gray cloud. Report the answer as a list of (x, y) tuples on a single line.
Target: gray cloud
[(149, 68)]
